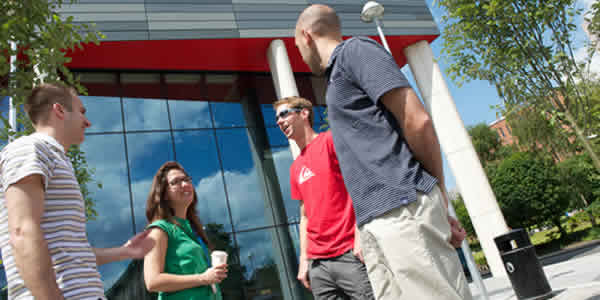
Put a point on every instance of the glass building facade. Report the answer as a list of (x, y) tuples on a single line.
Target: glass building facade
[(231, 147), (189, 81)]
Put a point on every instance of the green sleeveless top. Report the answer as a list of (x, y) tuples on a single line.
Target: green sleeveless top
[(185, 256)]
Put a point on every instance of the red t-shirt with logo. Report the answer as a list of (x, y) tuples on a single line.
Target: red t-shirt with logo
[(316, 180)]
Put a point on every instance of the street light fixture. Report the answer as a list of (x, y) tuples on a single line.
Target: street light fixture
[(374, 11)]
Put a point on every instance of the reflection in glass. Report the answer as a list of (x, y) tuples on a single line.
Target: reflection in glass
[(276, 137), (147, 152), (242, 182), (104, 113), (318, 128), (227, 114), (189, 114), (112, 227), (295, 234), (268, 113), (282, 158), (257, 255), (145, 114), (320, 114), (222, 240), (197, 153), (4, 108)]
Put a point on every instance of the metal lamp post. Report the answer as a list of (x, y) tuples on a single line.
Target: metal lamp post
[(374, 11)]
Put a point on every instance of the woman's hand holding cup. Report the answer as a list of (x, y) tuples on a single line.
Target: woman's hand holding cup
[(219, 262)]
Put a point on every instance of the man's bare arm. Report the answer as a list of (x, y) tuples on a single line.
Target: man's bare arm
[(418, 130), (303, 264), (136, 247), (25, 205)]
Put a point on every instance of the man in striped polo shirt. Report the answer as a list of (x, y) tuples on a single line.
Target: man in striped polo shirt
[(391, 163), (42, 215)]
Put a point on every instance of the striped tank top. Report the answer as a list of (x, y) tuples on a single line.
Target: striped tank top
[(63, 220)]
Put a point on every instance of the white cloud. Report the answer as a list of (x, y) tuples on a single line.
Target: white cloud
[(145, 114), (245, 195), (105, 153)]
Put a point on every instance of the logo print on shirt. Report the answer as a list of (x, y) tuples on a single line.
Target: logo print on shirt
[(305, 174)]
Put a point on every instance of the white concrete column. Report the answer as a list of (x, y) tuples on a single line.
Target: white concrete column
[(283, 78), (472, 182)]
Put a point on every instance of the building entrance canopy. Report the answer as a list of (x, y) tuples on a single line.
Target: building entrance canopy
[(232, 35), (211, 54)]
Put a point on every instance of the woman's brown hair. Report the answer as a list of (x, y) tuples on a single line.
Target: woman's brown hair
[(157, 205)]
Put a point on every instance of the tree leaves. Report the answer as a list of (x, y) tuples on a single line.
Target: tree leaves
[(526, 49), (529, 190), (41, 36)]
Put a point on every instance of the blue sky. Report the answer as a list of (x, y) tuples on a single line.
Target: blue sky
[(474, 99)]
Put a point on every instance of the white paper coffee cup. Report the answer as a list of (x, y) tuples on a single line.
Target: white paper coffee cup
[(217, 258)]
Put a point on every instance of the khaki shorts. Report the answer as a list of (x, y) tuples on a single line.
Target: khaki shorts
[(408, 255)]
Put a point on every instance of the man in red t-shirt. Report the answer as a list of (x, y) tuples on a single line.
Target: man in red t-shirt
[(331, 263)]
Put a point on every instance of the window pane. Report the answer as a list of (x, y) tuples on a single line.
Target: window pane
[(268, 114), (228, 114), (112, 227), (282, 157), (3, 282), (222, 240), (104, 113), (147, 152), (318, 128), (258, 257), (189, 114), (276, 137), (4, 108), (145, 114), (320, 114), (197, 153), (242, 182), (295, 234)]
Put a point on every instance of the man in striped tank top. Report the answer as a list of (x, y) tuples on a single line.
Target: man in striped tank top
[(42, 215)]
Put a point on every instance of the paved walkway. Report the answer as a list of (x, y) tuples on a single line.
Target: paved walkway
[(575, 279)]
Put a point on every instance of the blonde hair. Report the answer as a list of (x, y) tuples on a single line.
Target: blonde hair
[(297, 102)]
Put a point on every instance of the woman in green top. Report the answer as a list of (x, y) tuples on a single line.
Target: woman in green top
[(178, 266)]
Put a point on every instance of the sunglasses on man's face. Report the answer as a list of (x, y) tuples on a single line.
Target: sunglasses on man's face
[(285, 112)]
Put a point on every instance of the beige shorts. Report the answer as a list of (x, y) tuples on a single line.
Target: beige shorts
[(408, 255)]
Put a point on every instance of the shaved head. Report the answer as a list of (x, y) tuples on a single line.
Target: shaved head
[(320, 20)]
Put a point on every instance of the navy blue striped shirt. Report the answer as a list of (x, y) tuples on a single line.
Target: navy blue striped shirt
[(378, 167)]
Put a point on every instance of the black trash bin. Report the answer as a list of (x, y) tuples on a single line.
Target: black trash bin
[(522, 266)]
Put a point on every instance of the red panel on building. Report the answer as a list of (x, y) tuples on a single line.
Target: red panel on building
[(249, 54)]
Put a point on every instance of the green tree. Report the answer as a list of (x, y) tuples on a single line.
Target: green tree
[(526, 49), (537, 131), (593, 17), (578, 173), (485, 140), (463, 215), (530, 191), (487, 144), (33, 32)]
